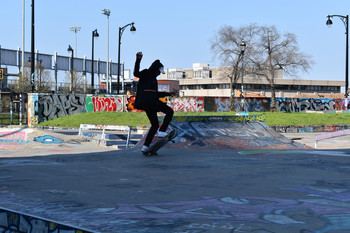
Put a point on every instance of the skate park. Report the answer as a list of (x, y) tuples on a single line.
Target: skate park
[(222, 174)]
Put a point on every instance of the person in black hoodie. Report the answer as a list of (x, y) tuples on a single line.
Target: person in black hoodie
[(147, 99)]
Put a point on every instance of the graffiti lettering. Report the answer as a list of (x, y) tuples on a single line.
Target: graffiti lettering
[(223, 104), (12, 139), (54, 106), (303, 104), (187, 104), (103, 104), (250, 105)]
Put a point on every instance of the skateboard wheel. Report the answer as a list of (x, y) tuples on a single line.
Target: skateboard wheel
[(148, 154)]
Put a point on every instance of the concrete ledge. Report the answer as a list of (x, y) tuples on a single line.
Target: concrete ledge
[(236, 118), (16, 222), (308, 128)]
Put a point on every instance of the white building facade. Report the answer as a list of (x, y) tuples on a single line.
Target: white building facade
[(203, 81)]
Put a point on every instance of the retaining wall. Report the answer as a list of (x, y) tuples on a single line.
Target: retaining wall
[(44, 107)]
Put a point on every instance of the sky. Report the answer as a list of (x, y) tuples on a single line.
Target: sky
[(179, 33)]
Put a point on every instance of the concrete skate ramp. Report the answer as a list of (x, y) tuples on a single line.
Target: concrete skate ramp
[(228, 132)]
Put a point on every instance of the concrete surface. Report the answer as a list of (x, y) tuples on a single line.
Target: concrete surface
[(181, 189), (342, 142)]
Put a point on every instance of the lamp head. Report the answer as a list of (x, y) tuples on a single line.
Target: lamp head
[(95, 33), (242, 46), (132, 29), (106, 12), (69, 49), (329, 21)]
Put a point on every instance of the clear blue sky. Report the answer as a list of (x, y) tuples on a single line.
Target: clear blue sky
[(176, 32)]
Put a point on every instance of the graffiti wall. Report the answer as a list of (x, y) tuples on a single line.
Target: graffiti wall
[(304, 104), (104, 104), (53, 106), (33, 109), (44, 107), (192, 104), (12, 222), (13, 138)]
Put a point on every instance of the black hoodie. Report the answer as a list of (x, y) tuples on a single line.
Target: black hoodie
[(147, 87)]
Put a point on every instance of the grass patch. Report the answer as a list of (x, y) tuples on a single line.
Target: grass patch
[(135, 118)]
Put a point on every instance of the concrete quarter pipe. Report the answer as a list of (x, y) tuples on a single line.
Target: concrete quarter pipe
[(227, 132)]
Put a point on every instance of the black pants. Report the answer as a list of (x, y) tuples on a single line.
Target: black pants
[(151, 112)]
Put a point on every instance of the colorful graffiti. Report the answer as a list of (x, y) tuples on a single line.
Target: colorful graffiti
[(343, 104), (130, 104), (104, 104), (12, 222), (53, 106), (44, 107), (308, 128), (12, 139), (218, 118), (33, 109), (47, 139), (303, 104), (187, 104), (251, 104)]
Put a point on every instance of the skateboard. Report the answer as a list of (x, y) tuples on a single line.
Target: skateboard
[(160, 143)]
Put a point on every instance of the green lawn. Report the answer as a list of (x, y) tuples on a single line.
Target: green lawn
[(134, 119)]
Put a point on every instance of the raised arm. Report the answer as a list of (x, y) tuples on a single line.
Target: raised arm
[(137, 64)]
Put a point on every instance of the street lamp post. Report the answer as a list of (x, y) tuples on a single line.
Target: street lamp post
[(242, 47), (345, 20), (121, 30), (71, 66), (75, 30), (32, 65), (107, 12), (94, 34)]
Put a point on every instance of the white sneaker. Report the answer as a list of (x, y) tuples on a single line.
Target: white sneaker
[(162, 134), (144, 148)]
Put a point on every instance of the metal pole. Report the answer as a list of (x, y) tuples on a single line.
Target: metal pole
[(23, 36), (242, 95), (107, 75), (32, 67), (119, 42), (55, 64), (98, 74), (75, 32), (92, 65), (345, 20), (347, 58), (71, 71)]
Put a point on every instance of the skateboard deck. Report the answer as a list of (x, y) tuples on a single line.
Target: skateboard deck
[(160, 143)]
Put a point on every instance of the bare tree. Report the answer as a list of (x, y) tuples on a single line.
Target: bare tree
[(43, 79), (74, 83), (267, 53), (275, 52), (225, 46)]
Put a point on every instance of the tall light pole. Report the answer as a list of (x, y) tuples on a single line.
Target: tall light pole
[(23, 37), (108, 13), (94, 34), (345, 20), (71, 66), (75, 30), (32, 68), (242, 47), (121, 30)]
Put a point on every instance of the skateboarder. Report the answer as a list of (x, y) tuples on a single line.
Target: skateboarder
[(147, 99)]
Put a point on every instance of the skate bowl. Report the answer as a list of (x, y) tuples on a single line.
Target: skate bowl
[(227, 132)]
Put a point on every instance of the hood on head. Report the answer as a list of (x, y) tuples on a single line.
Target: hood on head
[(157, 66)]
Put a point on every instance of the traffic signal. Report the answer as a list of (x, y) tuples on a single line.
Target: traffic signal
[(1, 73)]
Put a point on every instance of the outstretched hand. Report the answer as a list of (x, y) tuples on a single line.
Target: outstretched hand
[(139, 55)]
